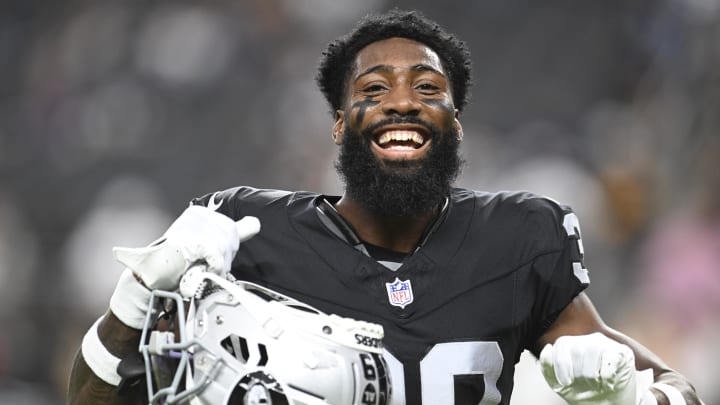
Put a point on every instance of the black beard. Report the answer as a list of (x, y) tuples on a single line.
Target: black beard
[(399, 188)]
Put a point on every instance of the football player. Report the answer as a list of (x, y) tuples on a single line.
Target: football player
[(462, 281)]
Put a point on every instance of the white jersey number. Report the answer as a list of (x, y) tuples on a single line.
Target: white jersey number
[(572, 227), (445, 366)]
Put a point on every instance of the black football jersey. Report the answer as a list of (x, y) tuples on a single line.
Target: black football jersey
[(483, 286)]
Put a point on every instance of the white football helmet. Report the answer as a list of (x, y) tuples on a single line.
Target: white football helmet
[(245, 344)]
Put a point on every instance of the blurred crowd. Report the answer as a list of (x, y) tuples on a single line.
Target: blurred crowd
[(113, 114)]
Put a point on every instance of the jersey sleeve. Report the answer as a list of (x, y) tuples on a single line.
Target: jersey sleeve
[(561, 273), (240, 201), (229, 202)]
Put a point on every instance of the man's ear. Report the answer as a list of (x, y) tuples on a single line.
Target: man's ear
[(337, 132), (458, 126)]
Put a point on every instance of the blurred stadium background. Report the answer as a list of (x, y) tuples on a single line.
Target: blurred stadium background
[(113, 114)]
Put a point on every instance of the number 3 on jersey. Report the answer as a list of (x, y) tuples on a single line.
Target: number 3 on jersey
[(448, 369), (572, 227)]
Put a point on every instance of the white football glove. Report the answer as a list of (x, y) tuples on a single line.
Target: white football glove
[(594, 370), (199, 236)]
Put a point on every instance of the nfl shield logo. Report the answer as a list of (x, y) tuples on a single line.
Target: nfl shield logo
[(399, 293)]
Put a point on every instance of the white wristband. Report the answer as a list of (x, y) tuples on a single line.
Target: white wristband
[(671, 392), (130, 300), (98, 358)]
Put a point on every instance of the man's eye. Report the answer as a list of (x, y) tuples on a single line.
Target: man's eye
[(427, 88), (375, 88)]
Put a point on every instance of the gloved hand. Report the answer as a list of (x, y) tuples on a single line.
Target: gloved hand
[(198, 236), (593, 370)]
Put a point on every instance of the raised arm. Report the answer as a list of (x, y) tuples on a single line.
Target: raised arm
[(568, 369), (199, 235)]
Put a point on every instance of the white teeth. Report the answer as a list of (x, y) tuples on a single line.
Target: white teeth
[(401, 136)]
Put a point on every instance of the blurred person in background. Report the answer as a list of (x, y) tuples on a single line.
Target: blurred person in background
[(678, 295), (484, 276)]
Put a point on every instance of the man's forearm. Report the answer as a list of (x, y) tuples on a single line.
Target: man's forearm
[(679, 382), (86, 388), (662, 373)]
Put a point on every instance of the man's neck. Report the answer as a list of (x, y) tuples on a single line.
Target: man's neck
[(401, 234)]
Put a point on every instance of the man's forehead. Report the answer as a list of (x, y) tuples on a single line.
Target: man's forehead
[(396, 53)]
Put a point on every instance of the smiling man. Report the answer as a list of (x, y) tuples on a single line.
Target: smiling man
[(398, 132), (462, 281)]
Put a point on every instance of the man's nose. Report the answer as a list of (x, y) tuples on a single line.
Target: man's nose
[(401, 101)]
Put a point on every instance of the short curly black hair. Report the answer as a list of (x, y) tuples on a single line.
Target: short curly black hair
[(337, 61)]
